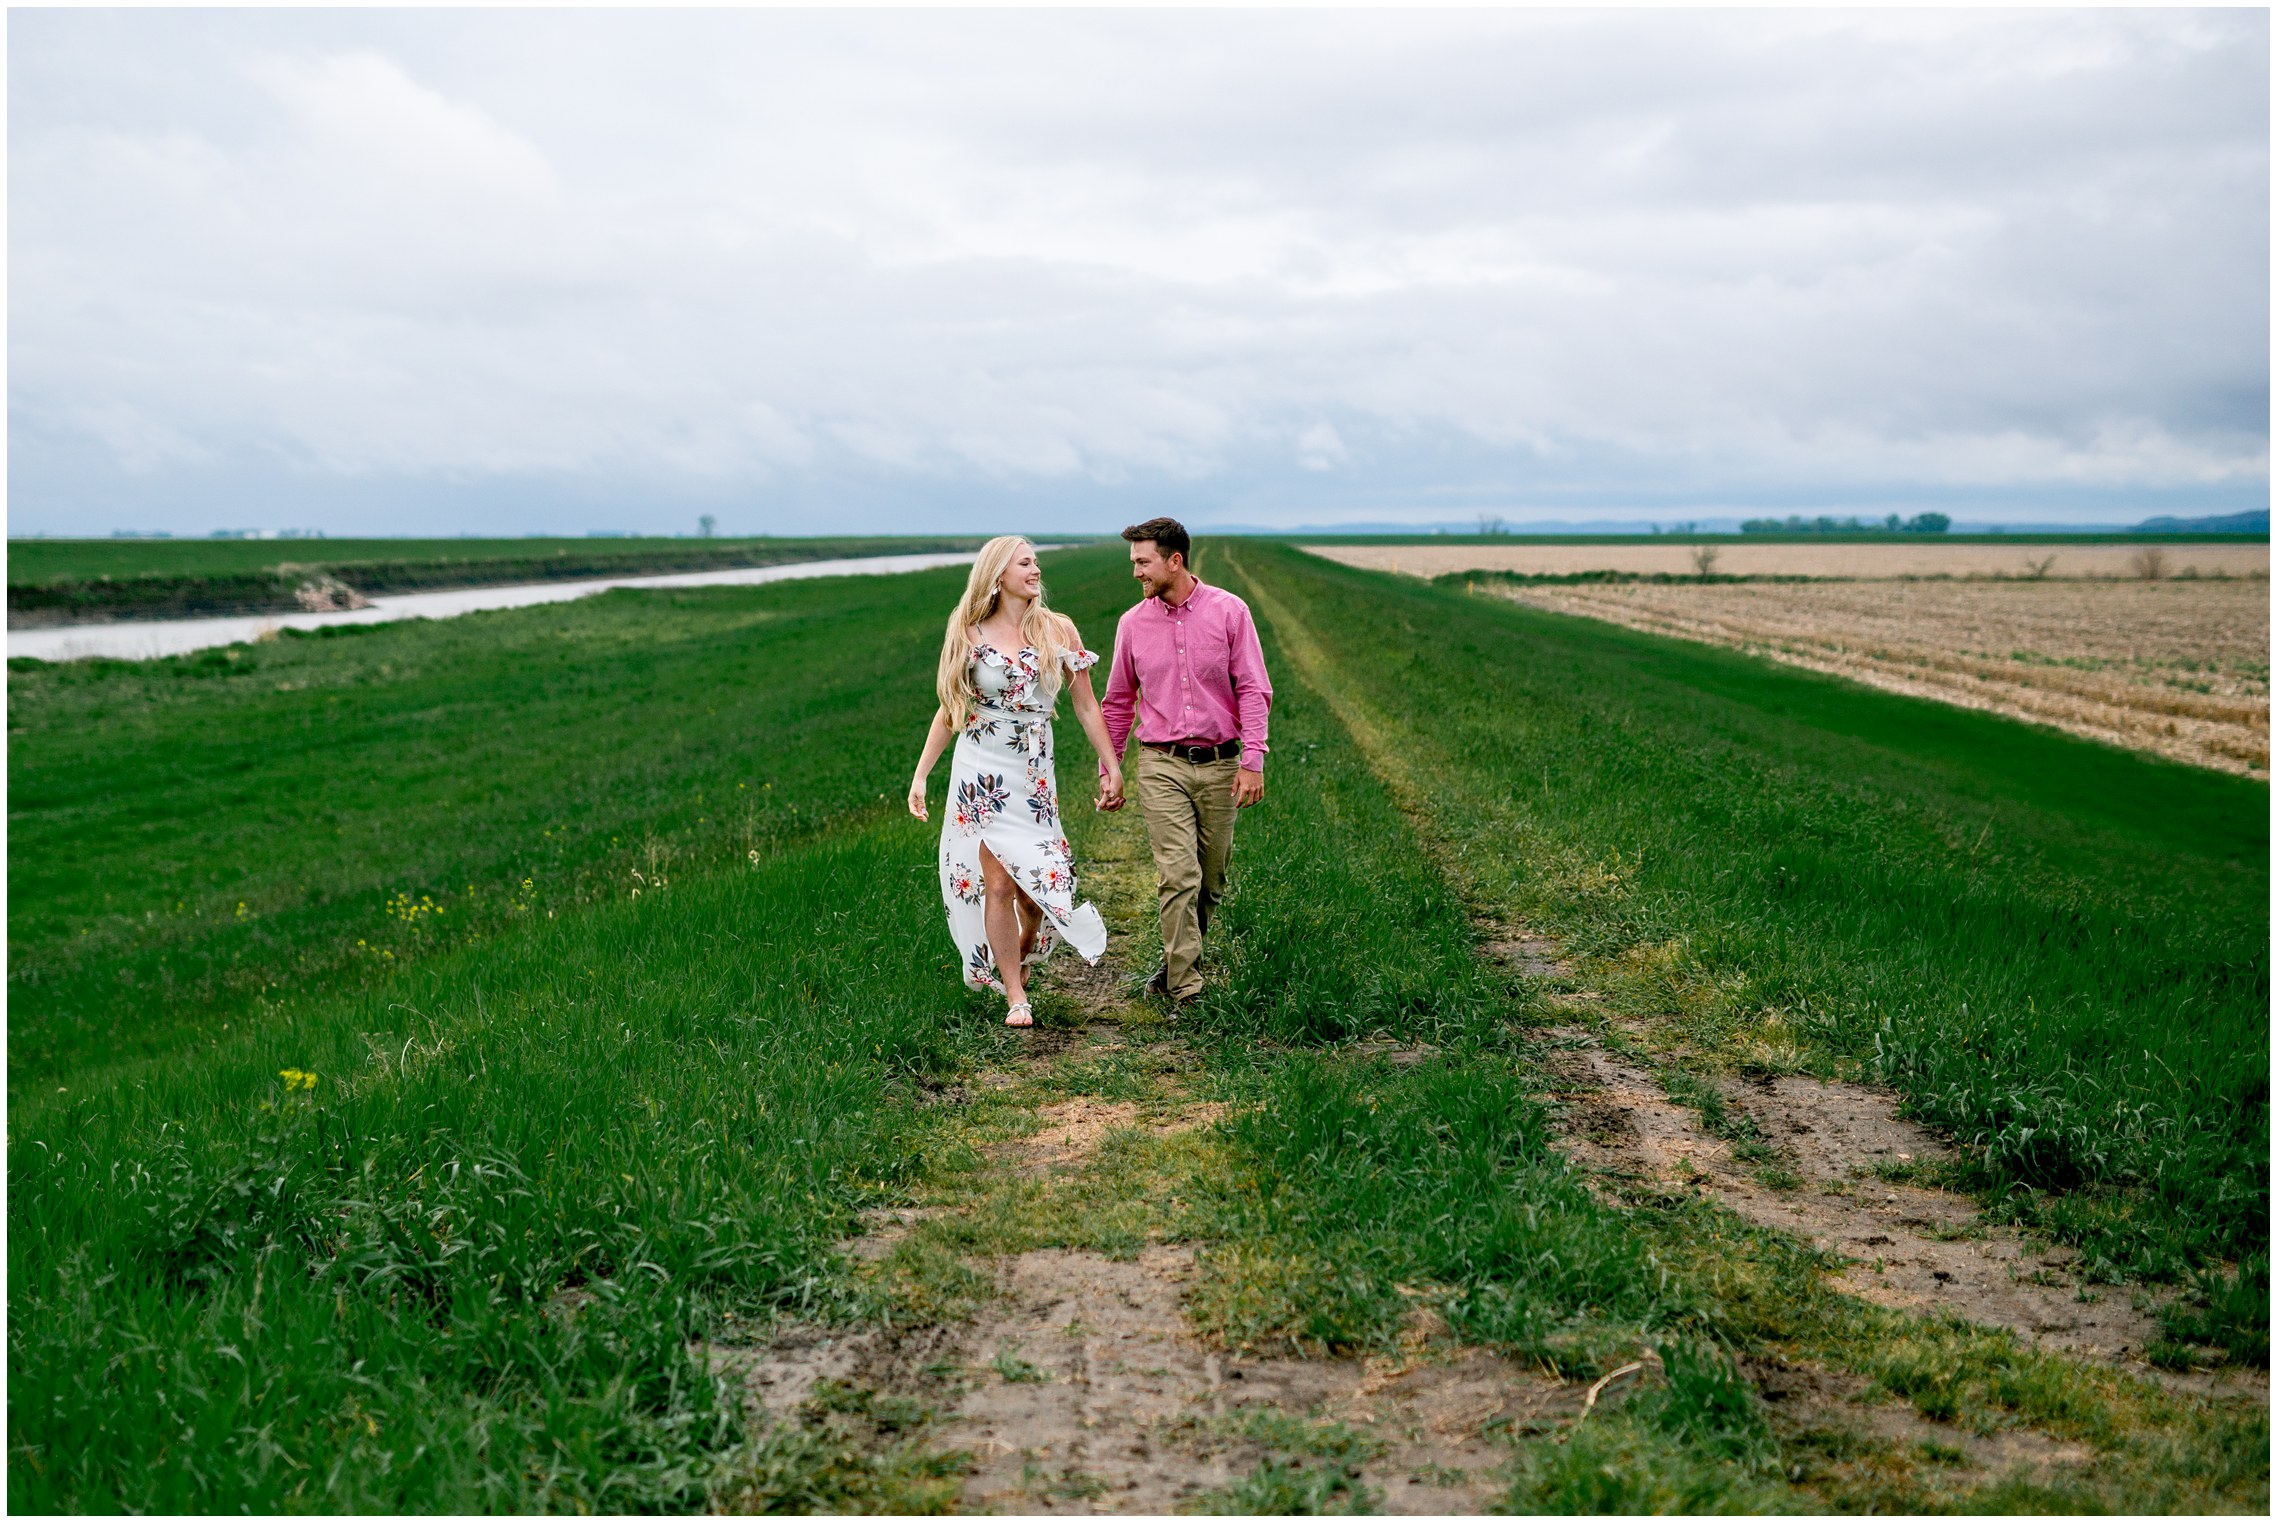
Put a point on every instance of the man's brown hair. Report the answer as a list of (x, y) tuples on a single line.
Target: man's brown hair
[(1168, 534)]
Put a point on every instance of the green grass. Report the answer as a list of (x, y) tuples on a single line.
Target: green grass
[(203, 840), (1279, 1487), (547, 1157), (2057, 950), (1358, 1196), (462, 1271)]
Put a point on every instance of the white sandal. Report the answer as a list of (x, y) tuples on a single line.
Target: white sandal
[(1020, 1015)]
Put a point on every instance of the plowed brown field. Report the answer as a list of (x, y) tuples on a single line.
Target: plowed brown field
[(2180, 668)]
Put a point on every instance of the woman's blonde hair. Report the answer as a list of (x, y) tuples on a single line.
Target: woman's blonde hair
[(1040, 629)]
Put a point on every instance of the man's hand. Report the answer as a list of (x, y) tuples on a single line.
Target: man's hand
[(1248, 787), (1110, 796)]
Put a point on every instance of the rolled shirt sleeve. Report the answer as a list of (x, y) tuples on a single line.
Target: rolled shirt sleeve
[(1121, 701)]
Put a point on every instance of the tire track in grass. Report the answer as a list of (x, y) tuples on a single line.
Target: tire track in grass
[(1845, 1140), (1623, 1119)]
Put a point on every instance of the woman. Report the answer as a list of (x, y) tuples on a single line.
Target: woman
[(1007, 876)]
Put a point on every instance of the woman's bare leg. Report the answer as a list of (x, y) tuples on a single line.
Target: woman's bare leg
[(1003, 918)]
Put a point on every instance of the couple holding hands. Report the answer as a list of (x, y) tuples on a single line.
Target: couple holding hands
[(1187, 663)]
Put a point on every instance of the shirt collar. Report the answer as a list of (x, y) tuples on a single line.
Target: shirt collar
[(1193, 597)]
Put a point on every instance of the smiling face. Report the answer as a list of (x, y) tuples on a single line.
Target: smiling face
[(1023, 578), (1156, 572)]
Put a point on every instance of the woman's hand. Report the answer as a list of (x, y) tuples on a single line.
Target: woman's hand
[(936, 741), (1110, 791)]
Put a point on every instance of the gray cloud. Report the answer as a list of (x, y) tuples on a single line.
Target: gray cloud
[(1276, 265)]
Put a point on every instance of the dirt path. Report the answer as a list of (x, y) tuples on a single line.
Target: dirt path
[(1077, 1384)]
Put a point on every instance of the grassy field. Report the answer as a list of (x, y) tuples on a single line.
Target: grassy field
[(427, 1042), (64, 581)]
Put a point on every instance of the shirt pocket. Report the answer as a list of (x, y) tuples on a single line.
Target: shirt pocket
[(1206, 656)]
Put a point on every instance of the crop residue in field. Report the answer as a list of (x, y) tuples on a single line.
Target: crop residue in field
[(2178, 668)]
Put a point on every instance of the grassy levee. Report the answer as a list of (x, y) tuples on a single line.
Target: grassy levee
[(198, 840), (546, 1159), (2057, 950)]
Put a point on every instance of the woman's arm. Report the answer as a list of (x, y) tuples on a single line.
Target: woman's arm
[(1088, 715), (936, 741)]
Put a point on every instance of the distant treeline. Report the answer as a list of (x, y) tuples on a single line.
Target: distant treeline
[(1920, 523), (293, 587)]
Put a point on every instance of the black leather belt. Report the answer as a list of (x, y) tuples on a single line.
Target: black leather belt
[(1196, 754)]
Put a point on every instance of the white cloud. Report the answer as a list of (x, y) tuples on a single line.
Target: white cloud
[(360, 117), (1691, 254), (1320, 448)]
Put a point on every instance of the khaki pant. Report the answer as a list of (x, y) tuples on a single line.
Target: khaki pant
[(1189, 813)]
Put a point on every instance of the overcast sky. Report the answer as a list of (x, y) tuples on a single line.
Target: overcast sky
[(434, 271)]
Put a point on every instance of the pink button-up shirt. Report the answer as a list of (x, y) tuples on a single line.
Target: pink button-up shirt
[(1194, 673)]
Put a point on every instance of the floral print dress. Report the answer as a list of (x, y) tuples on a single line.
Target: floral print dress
[(1002, 795)]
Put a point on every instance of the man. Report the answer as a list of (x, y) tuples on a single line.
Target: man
[(1187, 659)]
